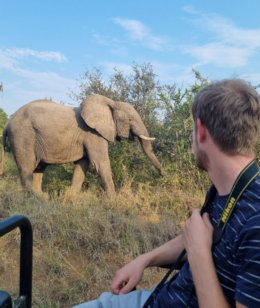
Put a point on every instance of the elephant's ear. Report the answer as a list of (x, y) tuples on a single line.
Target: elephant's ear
[(96, 112)]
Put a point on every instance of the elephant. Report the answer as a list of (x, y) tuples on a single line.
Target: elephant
[(43, 132)]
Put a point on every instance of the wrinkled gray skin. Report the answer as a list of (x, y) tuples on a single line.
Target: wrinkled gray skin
[(43, 133)]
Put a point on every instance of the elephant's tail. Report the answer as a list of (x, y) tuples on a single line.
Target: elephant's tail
[(3, 151)]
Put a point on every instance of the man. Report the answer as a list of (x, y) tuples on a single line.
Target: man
[(225, 138)]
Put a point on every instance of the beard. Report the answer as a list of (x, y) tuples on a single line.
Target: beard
[(202, 160)]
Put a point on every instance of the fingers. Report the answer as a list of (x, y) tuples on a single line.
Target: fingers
[(117, 285), (116, 288), (123, 282), (127, 287), (194, 216), (128, 276), (206, 220), (122, 287), (197, 218)]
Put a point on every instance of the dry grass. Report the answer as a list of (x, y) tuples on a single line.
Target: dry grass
[(80, 241)]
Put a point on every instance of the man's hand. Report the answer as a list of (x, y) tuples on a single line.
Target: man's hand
[(198, 235), (198, 238), (128, 276)]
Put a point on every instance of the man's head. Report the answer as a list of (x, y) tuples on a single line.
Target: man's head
[(230, 109)]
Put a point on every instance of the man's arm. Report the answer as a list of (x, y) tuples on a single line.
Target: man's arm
[(128, 276)]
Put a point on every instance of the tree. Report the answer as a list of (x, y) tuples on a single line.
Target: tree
[(139, 88), (3, 120), (3, 115), (176, 132)]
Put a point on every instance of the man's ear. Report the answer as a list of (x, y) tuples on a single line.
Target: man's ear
[(201, 131)]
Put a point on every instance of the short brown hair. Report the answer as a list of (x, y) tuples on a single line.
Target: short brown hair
[(230, 109)]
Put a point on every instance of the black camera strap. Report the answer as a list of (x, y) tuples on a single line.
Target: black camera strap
[(246, 176)]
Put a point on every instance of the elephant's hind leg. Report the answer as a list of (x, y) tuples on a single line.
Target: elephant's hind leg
[(37, 178), (79, 173), (37, 182), (26, 168), (26, 175), (26, 178), (23, 150)]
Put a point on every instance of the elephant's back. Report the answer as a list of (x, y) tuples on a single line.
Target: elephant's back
[(42, 117), (40, 107), (37, 111), (52, 129)]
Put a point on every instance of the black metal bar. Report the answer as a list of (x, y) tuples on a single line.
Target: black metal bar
[(25, 226)]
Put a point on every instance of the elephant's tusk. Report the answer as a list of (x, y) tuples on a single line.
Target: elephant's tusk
[(146, 138)]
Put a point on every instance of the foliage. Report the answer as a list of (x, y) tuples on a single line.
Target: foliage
[(3, 120), (139, 88)]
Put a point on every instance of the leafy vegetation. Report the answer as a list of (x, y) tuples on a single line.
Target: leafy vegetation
[(3, 120), (80, 241)]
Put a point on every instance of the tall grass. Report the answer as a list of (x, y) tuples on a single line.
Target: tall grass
[(80, 241)]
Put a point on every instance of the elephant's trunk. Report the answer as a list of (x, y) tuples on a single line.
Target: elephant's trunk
[(145, 141), (147, 148)]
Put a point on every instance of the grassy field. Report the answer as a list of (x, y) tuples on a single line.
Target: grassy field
[(80, 241)]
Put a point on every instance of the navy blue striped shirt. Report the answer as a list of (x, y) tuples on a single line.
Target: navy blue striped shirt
[(236, 256)]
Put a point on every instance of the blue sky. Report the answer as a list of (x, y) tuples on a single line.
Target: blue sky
[(45, 46)]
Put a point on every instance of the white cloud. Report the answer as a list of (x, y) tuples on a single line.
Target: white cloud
[(227, 32), (138, 32), (219, 54), (28, 85), (105, 40), (21, 53), (115, 46), (45, 80), (6, 62), (231, 46), (11, 60), (253, 78), (190, 9)]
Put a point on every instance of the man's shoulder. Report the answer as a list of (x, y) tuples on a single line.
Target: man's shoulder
[(255, 183), (249, 206), (247, 209), (252, 193)]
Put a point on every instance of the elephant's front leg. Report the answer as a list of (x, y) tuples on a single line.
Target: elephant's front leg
[(98, 156), (104, 170), (79, 173)]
